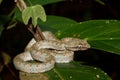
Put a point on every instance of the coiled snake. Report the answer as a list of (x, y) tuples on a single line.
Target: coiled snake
[(48, 52)]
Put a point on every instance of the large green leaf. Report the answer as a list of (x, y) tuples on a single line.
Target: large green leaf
[(33, 12), (54, 21), (101, 34), (41, 2), (64, 27), (76, 71)]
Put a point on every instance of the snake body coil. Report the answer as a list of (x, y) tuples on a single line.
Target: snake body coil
[(47, 53)]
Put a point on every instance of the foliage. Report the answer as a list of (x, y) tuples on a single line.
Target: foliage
[(0, 1), (101, 34), (35, 12), (76, 71)]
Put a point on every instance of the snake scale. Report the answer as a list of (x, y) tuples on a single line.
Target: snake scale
[(48, 52)]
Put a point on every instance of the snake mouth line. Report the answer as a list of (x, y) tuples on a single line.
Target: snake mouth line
[(76, 48), (34, 61), (41, 56)]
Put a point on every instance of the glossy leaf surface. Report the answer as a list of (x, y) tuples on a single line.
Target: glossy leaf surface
[(76, 71), (101, 34)]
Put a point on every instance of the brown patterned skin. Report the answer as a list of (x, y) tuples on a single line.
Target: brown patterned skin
[(48, 52)]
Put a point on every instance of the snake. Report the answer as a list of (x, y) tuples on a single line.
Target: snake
[(47, 52)]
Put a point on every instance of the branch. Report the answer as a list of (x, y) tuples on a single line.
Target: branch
[(37, 33), (20, 4)]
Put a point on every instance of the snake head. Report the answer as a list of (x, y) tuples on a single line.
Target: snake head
[(75, 44), (49, 35)]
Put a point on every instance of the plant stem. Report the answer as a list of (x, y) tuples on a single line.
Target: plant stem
[(12, 72), (36, 31)]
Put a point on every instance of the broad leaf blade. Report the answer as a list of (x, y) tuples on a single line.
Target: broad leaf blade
[(33, 12), (101, 34), (54, 23), (76, 71), (53, 20), (105, 35)]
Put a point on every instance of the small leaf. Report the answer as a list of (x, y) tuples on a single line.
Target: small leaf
[(6, 58), (1, 1), (33, 12)]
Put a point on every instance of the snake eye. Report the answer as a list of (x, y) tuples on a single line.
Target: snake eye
[(79, 45)]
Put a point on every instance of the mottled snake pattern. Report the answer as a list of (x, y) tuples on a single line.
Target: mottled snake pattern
[(48, 52)]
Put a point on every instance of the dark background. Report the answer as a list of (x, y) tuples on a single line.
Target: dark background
[(13, 43)]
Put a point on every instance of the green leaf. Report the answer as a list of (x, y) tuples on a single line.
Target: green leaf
[(18, 15), (73, 70), (6, 58), (54, 21), (1, 1), (76, 71), (33, 12), (101, 34), (41, 2)]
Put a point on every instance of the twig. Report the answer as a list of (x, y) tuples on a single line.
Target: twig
[(40, 32), (20, 4), (36, 31), (12, 72)]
